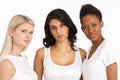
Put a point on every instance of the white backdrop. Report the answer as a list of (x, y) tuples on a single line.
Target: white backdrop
[(38, 10)]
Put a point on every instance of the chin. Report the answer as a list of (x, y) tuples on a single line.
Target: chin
[(92, 39), (25, 45)]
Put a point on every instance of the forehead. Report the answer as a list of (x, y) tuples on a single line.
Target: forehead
[(26, 26), (90, 18), (54, 21)]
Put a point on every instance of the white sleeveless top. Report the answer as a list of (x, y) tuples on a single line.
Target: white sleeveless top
[(53, 71), (23, 70)]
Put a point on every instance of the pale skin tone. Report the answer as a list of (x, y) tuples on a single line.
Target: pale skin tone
[(91, 26), (22, 36), (59, 50)]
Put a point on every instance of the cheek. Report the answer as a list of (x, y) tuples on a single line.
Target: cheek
[(18, 36), (98, 30), (67, 33), (31, 37), (53, 33), (85, 32), (16, 39), (66, 30)]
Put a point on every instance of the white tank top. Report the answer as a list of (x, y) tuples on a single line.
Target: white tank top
[(57, 72), (23, 70)]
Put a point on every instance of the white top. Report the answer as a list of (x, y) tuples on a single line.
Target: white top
[(53, 71), (23, 70), (94, 68)]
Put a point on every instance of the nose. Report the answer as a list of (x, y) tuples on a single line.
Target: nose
[(28, 35), (90, 29), (58, 30)]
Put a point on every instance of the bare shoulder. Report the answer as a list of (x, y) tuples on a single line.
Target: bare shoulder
[(6, 64), (40, 53), (38, 60), (83, 53), (6, 68)]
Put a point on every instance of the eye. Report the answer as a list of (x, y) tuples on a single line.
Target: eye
[(62, 25), (84, 27), (94, 24), (53, 27), (23, 31), (31, 32)]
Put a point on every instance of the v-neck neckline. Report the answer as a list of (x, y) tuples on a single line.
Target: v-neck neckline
[(96, 53)]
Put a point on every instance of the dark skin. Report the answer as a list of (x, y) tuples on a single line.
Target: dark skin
[(91, 26)]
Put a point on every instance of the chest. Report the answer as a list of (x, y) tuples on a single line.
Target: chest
[(63, 59), (23, 71)]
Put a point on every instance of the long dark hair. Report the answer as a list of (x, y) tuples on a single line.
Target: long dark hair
[(64, 18)]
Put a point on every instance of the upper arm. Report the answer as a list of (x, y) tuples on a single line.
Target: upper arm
[(81, 78), (38, 62), (83, 53), (112, 71), (7, 70)]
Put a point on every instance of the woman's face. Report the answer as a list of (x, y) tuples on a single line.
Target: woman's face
[(91, 26), (22, 35), (59, 31)]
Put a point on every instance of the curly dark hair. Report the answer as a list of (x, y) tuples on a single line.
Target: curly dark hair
[(64, 18), (90, 9)]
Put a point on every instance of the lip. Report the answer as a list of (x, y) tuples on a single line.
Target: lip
[(27, 41), (59, 36), (92, 35)]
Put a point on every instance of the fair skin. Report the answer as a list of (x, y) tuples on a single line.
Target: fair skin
[(22, 36), (91, 26), (59, 50)]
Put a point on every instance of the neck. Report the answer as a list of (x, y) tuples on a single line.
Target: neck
[(63, 46), (16, 51), (97, 43)]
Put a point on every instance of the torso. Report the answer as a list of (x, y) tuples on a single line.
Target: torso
[(58, 71), (22, 68), (94, 67)]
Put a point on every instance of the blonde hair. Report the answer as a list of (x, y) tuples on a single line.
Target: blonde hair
[(14, 23)]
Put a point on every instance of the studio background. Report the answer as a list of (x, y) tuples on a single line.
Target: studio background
[(37, 10)]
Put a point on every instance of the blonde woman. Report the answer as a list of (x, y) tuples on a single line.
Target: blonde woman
[(13, 64)]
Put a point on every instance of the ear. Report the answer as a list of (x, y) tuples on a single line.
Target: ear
[(102, 24), (11, 31), (82, 28)]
